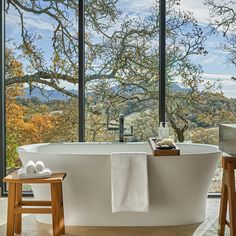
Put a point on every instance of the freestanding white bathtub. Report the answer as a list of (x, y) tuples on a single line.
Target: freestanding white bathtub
[(178, 185)]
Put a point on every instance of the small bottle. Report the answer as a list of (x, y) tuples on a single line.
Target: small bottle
[(161, 130), (166, 131)]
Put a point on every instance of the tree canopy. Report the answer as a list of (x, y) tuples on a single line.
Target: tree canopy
[(224, 20)]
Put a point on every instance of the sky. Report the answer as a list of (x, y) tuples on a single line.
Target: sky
[(215, 64)]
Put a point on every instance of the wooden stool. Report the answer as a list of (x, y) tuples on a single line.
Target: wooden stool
[(15, 203), (228, 195)]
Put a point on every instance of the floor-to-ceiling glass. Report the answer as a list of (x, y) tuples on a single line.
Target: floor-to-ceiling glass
[(201, 71), (41, 79), (121, 70), (122, 74)]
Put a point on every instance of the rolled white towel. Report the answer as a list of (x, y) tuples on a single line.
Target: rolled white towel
[(46, 173), (30, 167), (39, 165), (21, 172)]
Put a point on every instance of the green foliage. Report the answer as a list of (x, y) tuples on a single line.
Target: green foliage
[(12, 142), (206, 136)]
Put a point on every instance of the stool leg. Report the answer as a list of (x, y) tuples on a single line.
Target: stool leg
[(232, 199), (223, 204), (55, 209), (10, 211), (18, 216), (62, 222)]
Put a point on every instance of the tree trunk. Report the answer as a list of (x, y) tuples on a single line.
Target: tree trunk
[(178, 131), (180, 135)]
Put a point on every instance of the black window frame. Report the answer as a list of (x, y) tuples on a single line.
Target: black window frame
[(2, 97)]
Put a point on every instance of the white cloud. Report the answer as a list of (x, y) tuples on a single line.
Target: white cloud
[(225, 77), (200, 11), (136, 5), (32, 21), (37, 22), (228, 86), (211, 59)]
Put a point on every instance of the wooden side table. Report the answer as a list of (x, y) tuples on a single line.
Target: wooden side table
[(16, 205), (228, 196)]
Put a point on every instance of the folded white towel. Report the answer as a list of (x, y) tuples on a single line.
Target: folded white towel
[(129, 180), (21, 172), (39, 165), (30, 167), (46, 173)]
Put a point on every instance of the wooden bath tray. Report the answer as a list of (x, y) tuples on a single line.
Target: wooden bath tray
[(163, 152)]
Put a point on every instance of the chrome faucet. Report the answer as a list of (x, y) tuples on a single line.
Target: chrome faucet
[(121, 128)]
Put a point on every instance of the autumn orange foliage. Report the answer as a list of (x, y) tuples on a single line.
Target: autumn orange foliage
[(22, 128)]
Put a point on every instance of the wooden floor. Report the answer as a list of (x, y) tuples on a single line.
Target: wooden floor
[(32, 228)]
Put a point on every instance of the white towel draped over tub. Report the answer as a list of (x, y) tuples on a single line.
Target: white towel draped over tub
[(129, 182)]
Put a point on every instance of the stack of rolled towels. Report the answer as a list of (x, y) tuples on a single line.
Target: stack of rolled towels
[(34, 170)]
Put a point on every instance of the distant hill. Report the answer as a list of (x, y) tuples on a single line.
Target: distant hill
[(177, 88), (45, 95)]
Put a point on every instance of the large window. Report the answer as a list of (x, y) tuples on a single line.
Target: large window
[(200, 62), (41, 56), (49, 53), (122, 71)]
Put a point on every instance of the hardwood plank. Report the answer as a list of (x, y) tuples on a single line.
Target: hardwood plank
[(36, 203), (10, 211), (226, 159), (55, 209), (33, 210), (223, 204), (232, 198), (55, 178), (62, 221), (18, 218)]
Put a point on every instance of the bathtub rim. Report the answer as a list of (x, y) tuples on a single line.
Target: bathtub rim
[(31, 148)]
